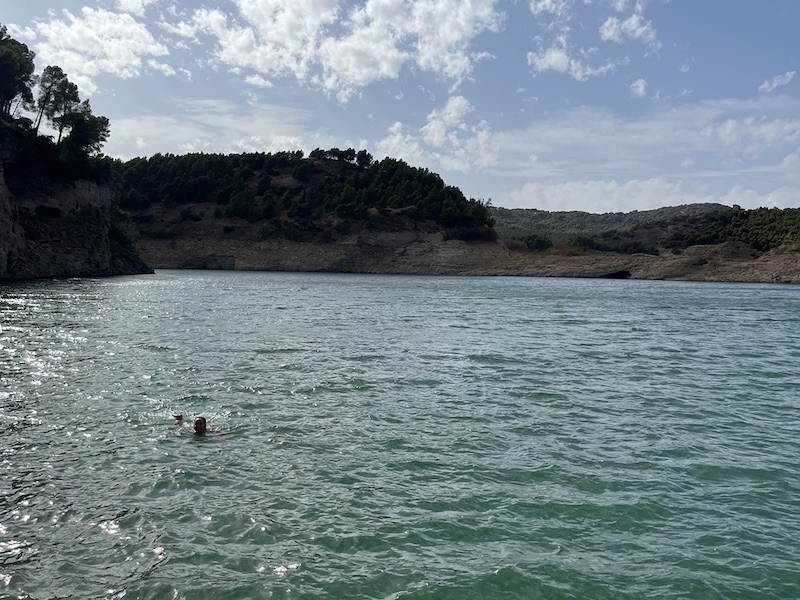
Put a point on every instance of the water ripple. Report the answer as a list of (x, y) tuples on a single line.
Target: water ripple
[(398, 437)]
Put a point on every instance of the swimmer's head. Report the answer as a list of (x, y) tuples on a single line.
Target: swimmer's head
[(200, 425)]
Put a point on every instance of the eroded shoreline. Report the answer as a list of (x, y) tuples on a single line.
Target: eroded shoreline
[(730, 262)]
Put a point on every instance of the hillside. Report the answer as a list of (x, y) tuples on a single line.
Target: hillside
[(335, 210), (665, 230), (289, 193), (565, 225), (340, 211)]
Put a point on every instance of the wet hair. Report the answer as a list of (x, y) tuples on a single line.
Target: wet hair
[(202, 424)]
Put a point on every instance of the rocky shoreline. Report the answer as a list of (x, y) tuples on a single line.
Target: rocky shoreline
[(427, 252)]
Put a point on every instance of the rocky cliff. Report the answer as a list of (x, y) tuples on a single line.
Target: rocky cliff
[(58, 228)]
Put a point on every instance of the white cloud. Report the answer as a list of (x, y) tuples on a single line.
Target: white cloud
[(750, 136), (96, 42), (369, 54), (442, 122), (474, 148), (551, 59), (599, 196), (280, 37), (135, 7), (319, 45), (728, 151), (611, 196), (611, 30), (20, 33), (770, 85), (581, 72), (443, 30), (258, 81), (401, 144), (634, 27), (564, 21), (181, 29), (639, 88), (561, 9), (446, 142), (160, 67), (557, 58), (790, 166), (216, 125), (783, 197), (288, 31), (591, 142), (593, 159)]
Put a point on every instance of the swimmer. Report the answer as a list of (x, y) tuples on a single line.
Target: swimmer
[(200, 425)]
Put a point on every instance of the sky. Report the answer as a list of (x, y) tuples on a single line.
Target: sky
[(592, 105)]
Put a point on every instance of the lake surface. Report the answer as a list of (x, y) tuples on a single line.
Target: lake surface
[(399, 437)]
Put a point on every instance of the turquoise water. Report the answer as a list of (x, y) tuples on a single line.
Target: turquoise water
[(398, 437)]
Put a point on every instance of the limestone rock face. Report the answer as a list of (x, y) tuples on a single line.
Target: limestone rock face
[(51, 228)]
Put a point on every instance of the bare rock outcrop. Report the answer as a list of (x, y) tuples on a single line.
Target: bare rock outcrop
[(52, 228), (378, 245)]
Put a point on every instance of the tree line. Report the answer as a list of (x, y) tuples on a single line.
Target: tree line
[(565, 226), (760, 228), (49, 97), (260, 186)]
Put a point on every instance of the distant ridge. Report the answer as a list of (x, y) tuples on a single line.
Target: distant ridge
[(563, 227)]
